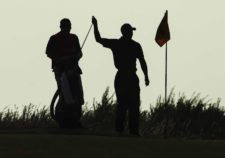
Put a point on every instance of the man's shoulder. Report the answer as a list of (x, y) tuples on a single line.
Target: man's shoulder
[(135, 43), (56, 35), (131, 41), (73, 35), (53, 36)]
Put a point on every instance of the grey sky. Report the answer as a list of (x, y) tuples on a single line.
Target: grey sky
[(196, 49)]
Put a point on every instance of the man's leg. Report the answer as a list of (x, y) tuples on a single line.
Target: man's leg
[(133, 116), (120, 117), (134, 105), (121, 106)]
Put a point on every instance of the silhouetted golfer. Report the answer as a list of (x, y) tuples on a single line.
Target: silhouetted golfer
[(125, 52), (64, 50)]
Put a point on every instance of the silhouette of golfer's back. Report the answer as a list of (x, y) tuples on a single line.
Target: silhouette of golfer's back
[(125, 53), (64, 50)]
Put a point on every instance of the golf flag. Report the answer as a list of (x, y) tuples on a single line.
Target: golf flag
[(163, 32)]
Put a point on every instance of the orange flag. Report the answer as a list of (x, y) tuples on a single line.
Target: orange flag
[(163, 32)]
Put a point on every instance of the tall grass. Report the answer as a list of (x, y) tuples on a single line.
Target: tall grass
[(186, 117), (30, 117), (100, 118), (193, 117)]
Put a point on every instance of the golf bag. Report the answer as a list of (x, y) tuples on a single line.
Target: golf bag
[(67, 111)]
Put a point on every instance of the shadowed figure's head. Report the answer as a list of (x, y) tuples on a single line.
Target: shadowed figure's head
[(127, 31), (65, 25)]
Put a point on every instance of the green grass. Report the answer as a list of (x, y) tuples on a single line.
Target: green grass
[(81, 146)]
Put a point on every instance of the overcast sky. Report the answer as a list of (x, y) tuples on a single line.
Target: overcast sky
[(196, 51)]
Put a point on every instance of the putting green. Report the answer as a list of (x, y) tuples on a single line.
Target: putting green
[(84, 146)]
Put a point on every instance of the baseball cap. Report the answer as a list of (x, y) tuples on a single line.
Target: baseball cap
[(127, 27)]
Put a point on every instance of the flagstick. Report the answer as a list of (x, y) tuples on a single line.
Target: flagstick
[(166, 103), (166, 76)]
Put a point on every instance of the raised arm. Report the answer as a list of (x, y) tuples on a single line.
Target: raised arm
[(96, 31)]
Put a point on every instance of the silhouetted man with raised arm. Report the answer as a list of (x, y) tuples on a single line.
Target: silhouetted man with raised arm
[(65, 51), (125, 52)]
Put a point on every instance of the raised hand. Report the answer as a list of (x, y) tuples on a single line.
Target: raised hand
[(94, 20), (147, 82)]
